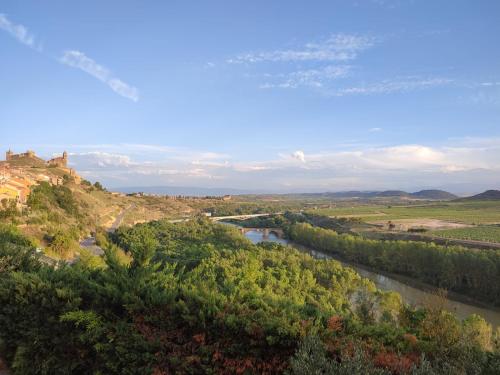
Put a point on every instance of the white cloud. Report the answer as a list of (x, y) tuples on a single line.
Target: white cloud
[(375, 130), (308, 78), (394, 85), (79, 60), (471, 161), (337, 47), (19, 32), (123, 89), (99, 159), (299, 155)]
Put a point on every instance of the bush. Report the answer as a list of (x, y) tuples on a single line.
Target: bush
[(63, 245), (44, 195)]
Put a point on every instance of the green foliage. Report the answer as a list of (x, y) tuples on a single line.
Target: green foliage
[(8, 209), (98, 186), (44, 196), (87, 259), (141, 242), (200, 298), (472, 272), (341, 225), (63, 244), (16, 251), (312, 358)]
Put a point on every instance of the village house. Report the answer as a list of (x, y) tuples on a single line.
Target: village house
[(17, 175)]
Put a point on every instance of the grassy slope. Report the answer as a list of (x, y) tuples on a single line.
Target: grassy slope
[(101, 208)]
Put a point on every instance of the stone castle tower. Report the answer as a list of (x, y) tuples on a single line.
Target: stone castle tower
[(61, 162), (30, 154)]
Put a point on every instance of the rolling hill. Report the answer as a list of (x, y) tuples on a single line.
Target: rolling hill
[(422, 194), (486, 195)]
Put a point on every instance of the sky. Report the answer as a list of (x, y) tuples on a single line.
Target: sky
[(276, 96)]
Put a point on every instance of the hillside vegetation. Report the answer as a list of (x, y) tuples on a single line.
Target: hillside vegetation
[(56, 217), (199, 298), (475, 273)]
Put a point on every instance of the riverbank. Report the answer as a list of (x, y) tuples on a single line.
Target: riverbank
[(413, 292), (454, 296)]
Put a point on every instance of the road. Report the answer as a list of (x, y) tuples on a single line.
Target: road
[(242, 217), (119, 219), (89, 243)]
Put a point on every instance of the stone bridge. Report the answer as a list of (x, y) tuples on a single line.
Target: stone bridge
[(278, 232), (242, 217)]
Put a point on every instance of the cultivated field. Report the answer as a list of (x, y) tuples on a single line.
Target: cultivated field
[(479, 233), (473, 213)]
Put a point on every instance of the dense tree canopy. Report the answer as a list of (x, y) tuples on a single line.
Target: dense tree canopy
[(469, 271), (199, 298)]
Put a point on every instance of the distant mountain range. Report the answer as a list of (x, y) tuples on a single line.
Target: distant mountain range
[(487, 195), (430, 194), (422, 194), (183, 190), (195, 191)]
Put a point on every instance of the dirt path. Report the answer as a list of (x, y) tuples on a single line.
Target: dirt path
[(430, 224), (89, 243)]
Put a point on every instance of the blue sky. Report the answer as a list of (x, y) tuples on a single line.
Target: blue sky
[(267, 95)]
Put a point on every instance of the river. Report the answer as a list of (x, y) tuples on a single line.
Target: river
[(410, 295)]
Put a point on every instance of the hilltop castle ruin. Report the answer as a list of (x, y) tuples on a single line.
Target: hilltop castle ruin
[(23, 162), (61, 162)]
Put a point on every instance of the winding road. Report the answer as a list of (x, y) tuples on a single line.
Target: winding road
[(89, 243)]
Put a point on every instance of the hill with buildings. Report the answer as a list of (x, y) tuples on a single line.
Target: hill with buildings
[(19, 172), (51, 204)]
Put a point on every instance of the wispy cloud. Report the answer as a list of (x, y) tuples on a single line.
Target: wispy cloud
[(393, 86), (321, 64), (375, 130), (490, 84), (312, 65), (79, 60), (337, 47), (308, 78), (19, 32), (405, 166), (100, 159)]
